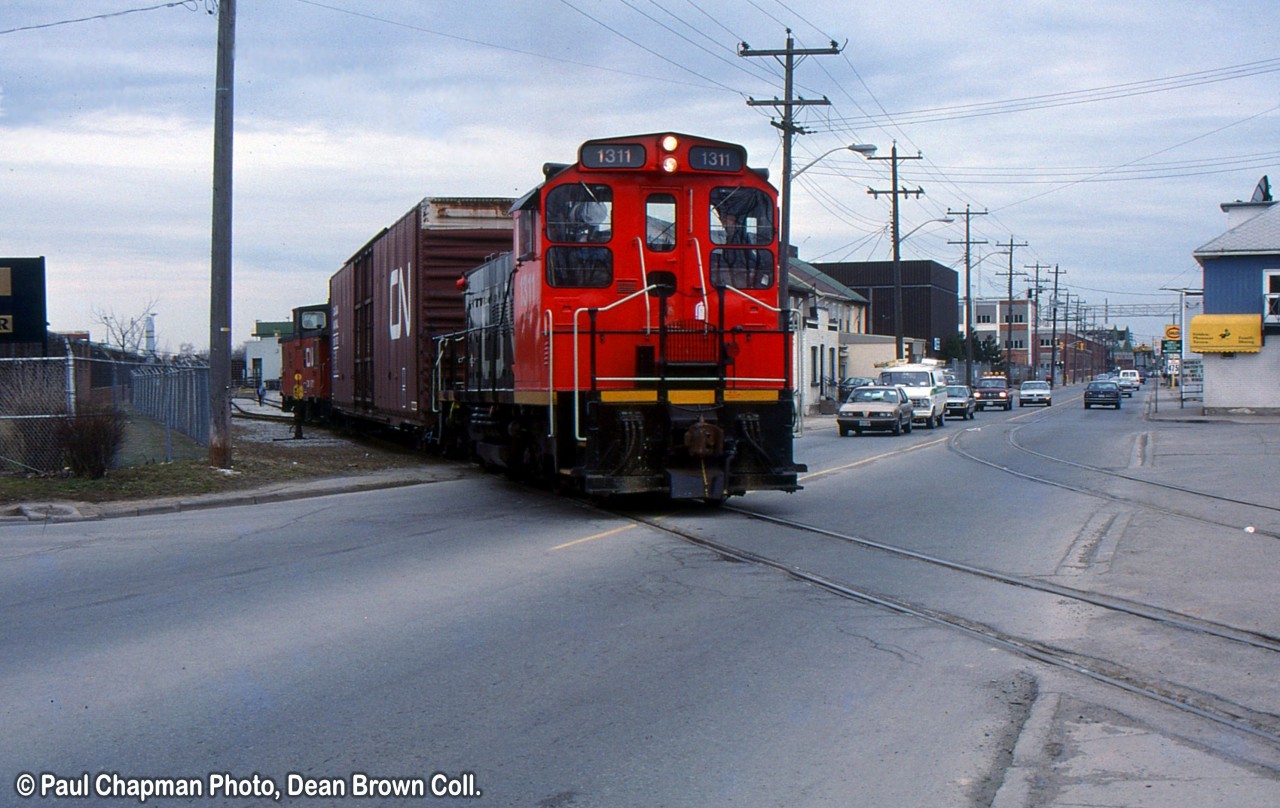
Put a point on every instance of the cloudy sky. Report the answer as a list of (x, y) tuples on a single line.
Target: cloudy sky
[(1102, 134)]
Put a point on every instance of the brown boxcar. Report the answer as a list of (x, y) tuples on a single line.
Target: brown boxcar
[(395, 294)]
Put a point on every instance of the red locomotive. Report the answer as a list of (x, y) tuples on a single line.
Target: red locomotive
[(629, 340)]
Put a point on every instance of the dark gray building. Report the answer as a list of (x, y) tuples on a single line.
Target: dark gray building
[(930, 297)]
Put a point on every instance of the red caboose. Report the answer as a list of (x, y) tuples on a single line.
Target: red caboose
[(305, 367), (632, 341)]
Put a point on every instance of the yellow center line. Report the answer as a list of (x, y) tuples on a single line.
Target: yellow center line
[(593, 538), (855, 464)]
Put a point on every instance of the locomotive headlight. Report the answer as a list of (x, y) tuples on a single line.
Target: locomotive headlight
[(669, 143), (670, 164)]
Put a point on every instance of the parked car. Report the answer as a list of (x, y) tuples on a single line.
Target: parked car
[(850, 383), (960, 402), (875, 407), (1035, 392), (993, 391), (1102, 394)]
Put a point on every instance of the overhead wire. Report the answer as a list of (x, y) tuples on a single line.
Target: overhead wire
[(191, 4)]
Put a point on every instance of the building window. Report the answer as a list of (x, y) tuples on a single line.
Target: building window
[(984, 318), (1271, 296)]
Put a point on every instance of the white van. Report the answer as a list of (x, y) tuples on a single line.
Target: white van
[(926, 385)]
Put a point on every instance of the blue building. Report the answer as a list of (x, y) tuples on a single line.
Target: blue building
[(1241, 271)]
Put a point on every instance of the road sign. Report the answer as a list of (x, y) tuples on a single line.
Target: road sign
[(1172, 332)]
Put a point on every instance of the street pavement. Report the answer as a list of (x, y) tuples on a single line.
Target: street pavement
[(1161, 406)]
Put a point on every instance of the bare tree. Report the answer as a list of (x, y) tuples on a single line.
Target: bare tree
[(125, 332)]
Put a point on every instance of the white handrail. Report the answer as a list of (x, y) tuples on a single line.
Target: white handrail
[(644, 281), (752, 299), (577, 350), (551, 373), (702, 278)]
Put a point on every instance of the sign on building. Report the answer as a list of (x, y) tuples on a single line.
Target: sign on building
[(22, 300)]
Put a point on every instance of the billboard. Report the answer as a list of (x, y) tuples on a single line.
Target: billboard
[(22, 301)]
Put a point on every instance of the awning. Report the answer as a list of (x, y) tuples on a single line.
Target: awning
[(1226, 333)]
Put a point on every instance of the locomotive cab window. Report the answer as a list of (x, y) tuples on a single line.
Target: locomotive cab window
[(742, 268), (580, 213), (526, 234), (660, 222), (741, 217), (582, 267)]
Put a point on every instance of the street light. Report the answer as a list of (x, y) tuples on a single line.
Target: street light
[(898, 325), (944, 220), (865, 149), (784, 246)]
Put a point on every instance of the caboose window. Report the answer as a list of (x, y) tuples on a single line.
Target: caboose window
[(580, 213), (582, 267), (311, 320), (660, 222), (742, 268), (741, 216)]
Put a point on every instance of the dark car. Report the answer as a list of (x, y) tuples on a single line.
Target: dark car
[(993, 391), (1102, 394), (960, 402), (851, 383), (875, 407)]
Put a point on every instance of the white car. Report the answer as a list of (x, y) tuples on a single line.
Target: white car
[(1035, 392)]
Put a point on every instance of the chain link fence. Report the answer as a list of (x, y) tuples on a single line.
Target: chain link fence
[(39, 395), (33, 400)]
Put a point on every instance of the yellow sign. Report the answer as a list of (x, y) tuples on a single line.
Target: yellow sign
[(1226, 333), (1172, 332)]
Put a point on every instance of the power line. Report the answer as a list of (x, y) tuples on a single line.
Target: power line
[(1070, 97), (191, 4)]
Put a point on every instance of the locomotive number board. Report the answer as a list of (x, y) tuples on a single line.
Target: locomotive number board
[(613, 155), (715, 158)]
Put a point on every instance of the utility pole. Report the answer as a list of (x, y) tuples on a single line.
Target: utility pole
[(220, 263), (968, 290), (897, 253), (1008, 315), (787, 57), (1053, 338), (1033, 324), (786, 105)]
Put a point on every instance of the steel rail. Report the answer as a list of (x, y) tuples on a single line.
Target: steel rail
[(1038, 652)]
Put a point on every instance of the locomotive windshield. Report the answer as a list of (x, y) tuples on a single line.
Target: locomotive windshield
[(580, 214), (741, 217)]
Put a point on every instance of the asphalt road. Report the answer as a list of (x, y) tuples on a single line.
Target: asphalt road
[(542, 652)]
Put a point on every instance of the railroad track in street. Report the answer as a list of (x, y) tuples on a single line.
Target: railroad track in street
[(1207, 699), (1253, 515)]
